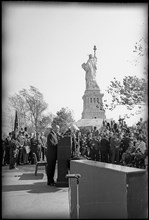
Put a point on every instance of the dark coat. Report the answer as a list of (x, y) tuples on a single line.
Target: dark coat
[(52, 142), (125, 143), (13, 154), (95, 144), (52, 139), (34, 144), (104, 145), (51, 154)]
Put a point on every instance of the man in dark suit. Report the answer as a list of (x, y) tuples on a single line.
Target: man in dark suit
[(52, 143), (95, 148), (104, 148)]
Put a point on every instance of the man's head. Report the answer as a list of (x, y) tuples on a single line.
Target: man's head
[(95, 128), (49, 127), (57, 128)]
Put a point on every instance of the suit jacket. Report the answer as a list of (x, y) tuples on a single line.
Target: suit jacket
[(52, 139), (95, 144), (51, 153), (104, 144), (114, 143)]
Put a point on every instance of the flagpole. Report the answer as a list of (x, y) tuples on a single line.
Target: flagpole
[(16, 121)]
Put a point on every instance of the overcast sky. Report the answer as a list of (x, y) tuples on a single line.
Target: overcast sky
[(45, 45)]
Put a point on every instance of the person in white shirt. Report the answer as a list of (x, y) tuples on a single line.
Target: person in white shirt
[(141, 146)]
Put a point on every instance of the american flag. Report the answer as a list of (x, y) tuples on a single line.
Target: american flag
[(16, 121)]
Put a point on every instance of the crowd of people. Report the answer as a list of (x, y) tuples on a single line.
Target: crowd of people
[(19, 148), (114, 143)]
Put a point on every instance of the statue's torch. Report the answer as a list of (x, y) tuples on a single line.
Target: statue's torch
[(94, 50)]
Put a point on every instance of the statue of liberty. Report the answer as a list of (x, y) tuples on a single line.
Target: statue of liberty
[(90, 67)]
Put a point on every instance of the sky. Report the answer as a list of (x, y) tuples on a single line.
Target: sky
[(45, 44)]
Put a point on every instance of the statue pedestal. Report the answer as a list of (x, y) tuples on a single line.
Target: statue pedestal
[(63, 158), (94, 122), (93, 105)]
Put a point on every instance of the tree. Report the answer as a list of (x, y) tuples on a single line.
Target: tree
[(64, 119), (141, 52), (30, 106), (45, 121), (133, 90), (35, 104), (19, 104), (8, 115), (140, 47)]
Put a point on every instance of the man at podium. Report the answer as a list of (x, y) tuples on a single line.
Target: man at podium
[(52, 143)]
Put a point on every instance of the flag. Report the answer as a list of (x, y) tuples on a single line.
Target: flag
[(16, 122)]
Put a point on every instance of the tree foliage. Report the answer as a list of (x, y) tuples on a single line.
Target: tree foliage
[(19, 104), (140, 47), (45, 121), (30, 106), (64, 119), (131, 92), (35, 104), (7, 118)]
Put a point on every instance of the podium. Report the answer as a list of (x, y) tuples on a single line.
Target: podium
[(63, 158), (108, 191)]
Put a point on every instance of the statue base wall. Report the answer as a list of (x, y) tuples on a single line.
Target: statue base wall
[(93, 105)]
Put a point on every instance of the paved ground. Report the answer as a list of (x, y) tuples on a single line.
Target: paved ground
[(26, 196)]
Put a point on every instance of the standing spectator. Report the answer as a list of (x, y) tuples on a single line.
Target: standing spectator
[(115, 127), (7, 148), (17, 142), (104, 148), (43, 145), (128, 155), (125, 142), (141, 145), (89, 146), (108, 126), (39, 145), (83, 145), (78, 148), (73, 143), (140, 154), (13, 152), (27, 149), (34, 147), (3, 148), (109, 138), (95, 132), (52, 143), (95, 148), (21, 148), (114, 148), (117, 149)]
